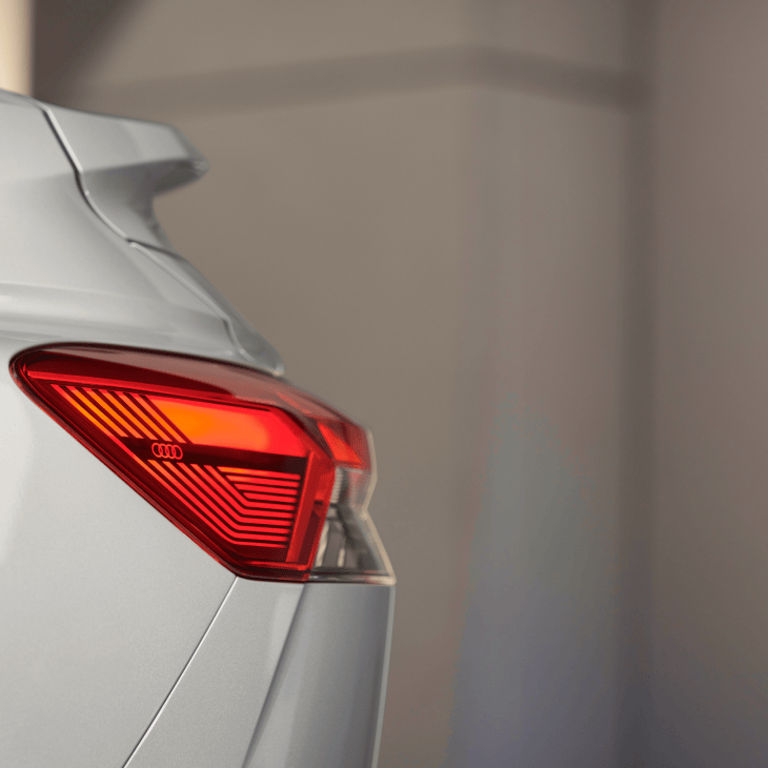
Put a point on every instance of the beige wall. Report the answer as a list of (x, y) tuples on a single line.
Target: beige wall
[(539, 680), (424, 207)]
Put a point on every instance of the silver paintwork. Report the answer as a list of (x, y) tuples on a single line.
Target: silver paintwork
[(210, 714), (65, 274), (329, 687), (122, 164), (121, 641)]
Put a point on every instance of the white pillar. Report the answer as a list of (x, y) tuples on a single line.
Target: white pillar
[(16, 45)]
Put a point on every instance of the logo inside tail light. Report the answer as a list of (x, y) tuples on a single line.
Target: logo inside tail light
[(242, 462)]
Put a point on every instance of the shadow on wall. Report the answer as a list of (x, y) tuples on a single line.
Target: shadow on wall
[(535, 683), (64, 32)]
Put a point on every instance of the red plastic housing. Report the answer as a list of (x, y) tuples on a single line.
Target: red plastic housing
[(242, 462)]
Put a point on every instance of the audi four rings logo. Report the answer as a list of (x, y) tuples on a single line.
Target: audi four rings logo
[(167, 451)]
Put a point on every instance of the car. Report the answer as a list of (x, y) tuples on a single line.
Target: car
[(189, 575)]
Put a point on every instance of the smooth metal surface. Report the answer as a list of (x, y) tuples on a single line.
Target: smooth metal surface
[(122, 164), (211, 713), (327, 701)]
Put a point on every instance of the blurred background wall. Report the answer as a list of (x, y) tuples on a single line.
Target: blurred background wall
[(710, 528), (523, 241), (426, 208)]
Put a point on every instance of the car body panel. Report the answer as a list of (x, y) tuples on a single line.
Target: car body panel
[(62, 266), (210, 715), (326, 705)]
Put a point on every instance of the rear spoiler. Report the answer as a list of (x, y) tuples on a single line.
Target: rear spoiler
[(121, 164)]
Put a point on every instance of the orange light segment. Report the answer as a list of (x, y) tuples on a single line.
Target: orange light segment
[(231, 426)]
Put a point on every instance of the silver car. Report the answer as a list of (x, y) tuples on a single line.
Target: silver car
[(188, 572)]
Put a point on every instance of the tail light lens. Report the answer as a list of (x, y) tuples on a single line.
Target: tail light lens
[(264, 477)]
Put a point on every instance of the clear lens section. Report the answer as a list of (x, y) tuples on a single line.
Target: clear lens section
[(350, 548)]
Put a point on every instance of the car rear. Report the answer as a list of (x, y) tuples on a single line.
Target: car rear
[(189, 574)]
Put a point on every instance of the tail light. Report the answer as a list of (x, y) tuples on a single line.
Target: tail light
[(264, 477)]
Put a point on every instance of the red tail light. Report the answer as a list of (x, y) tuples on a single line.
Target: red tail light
[(242, 462)]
